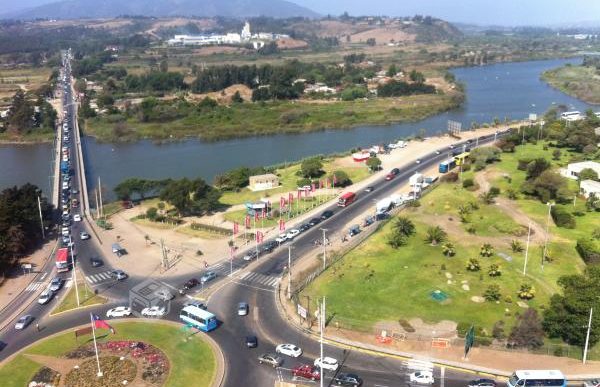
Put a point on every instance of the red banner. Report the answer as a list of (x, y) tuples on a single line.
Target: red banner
[(256, 215), (312, 187), (259, 237), (235, 228), (281, 225), (264, 213), (247, 221), (281, 202), (299, 194), (290, 198)]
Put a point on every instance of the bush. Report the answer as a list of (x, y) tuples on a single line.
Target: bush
[(526, 292), (473, 265), (494, 271), (492, 293), (468, 183), (451, 177), (562, 218), (494, 191), (406, 326), (589, 250), (498, 330), (151, 213), (486, 250)]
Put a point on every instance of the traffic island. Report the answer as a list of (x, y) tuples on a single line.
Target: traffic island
[(87, 298)]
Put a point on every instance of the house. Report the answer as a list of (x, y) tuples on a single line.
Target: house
[(263, 182), (589, 187), (572, 171)]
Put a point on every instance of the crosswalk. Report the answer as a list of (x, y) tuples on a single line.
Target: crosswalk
[(224, 268), (32, 287), (98, 277), (262, 279)]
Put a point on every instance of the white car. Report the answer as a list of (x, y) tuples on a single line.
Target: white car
[(327, 363), (423, 377), (153, 311), (119, 311), (76, 218), (84, 236), (281, 238), (292, 233), (289, 349), (45, 297)]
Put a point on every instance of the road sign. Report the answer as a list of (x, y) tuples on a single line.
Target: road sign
[(532, 117), (454, 128), (469, 340), (302, 311)]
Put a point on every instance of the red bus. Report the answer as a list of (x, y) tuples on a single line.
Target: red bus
[(346, 199), (62, 260)]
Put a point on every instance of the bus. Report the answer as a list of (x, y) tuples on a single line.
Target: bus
[(198, 318), (346, 199), (537, 378), (62, 260), (447, 165), (461, 158)]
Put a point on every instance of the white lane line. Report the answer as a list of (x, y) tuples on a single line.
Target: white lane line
[(103, 276), (252, 277), (43, 276), (69, 283), (88, 279), (246, 274)]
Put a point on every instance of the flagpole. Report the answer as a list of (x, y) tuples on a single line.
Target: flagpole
[(95, 345)]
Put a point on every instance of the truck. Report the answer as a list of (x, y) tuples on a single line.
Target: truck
[(346, 199), (62, 260), (64, 167), (384, 205), (397, 199), (415, 180)]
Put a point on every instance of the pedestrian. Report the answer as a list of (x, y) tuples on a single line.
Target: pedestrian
[(37, 326)]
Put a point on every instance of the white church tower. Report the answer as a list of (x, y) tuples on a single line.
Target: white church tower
[(246, 35)]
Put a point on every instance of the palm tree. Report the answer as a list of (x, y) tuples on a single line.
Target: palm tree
[(436, 235), (404, 226)]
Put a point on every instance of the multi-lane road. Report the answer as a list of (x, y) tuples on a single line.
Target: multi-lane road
[(256, 285)]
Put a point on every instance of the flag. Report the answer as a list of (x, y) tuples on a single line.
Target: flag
[(320, 184), (231, 251), (281, 225), (247, 221), (281, 202), (291, 198), (334, 179), (299, 194), (255, 215), (101, 324), (264, 213), (259, 237), (312, 187), (236, 228)]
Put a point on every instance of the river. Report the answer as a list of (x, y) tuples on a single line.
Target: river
[(510, 90)]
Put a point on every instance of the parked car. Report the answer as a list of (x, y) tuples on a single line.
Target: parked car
[(197, 304), (191, 283), (96, 262), (482, 383), (292, 233), (307, 372), (243, 308), (592, 383), (45, 297), (208, 276), (251, 342), (289, 349), (65, 231), (119, 311), (423, 377), (84, 236), (281, 238), (269, 246), (326, 214), (303, 227), (153, 311), (118, 275), (327, 363), (270, 359), (164, 294), (23, 322), (56, 284), (314, 221), (250, 255), (350, 380)]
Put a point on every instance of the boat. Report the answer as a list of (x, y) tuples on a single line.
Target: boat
[(359, 157)]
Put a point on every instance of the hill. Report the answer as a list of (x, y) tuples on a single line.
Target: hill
[(75, 9)]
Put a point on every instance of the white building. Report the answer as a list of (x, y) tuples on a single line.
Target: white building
[(572, 171), (246, 34), (572, 116), (589, 187)]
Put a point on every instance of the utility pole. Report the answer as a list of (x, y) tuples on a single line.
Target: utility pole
[(322, 321), (100, 193), (324, 248), (41, 218), (165, 259), (527, 250), (289, 289), (97, 204), (549, 204), (587, 336), (74, 273)]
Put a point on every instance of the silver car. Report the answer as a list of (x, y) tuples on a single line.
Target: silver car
[(23, 322)]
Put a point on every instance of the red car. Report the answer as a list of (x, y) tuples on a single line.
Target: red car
[(307, 372), (392, 174)]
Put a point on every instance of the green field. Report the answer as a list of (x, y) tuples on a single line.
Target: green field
[(86, 298), (255, 119), (578, 81), (189, 360)]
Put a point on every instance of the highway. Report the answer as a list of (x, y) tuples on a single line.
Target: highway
[(264, 319)]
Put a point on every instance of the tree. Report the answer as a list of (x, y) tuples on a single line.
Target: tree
[(588, 174), (374, 163), (548, 186), (20, 114), (568, 312), (164, 66), (371, 42), (191, 197), (311, 167), (528, 332), (556, 154), (416, 76), (526, 292), (492, 293), (536, 167), (435, 235), (404, 226), (151, 213), (392, 70), (340, 179)]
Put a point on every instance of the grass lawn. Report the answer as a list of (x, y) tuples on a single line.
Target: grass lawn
[(189, 360), (149, 223), (204, 234), (86, 298)]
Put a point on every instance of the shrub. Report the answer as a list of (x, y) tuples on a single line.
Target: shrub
[(589, 250), (494, 271), (492, 293), (522, 164), (468, 183), (498, 330), (526, 292), (151, 213), (516, 246), (562, 218), (528, 332), (511, 194), (451, 177), (448, 249), (486, 250), (473, 265), (436, 235), (494, 191), (406, 326)]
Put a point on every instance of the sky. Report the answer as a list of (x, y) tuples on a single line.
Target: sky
[(483, 12)]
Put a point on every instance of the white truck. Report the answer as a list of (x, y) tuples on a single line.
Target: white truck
[(384, 205), (399, 144)]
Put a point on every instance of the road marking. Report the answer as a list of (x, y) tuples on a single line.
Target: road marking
[(88, 279), (68, 283), (246, 274), (44, 276), (32, 287)]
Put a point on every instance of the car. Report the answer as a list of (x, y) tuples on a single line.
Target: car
[(437, 152), (56, 284), (75, 192), (65, 231), (208, 276), (314, 221), (393, 173), (164, 294), (482, 383), (451, 146), (281, 238), (119, 311), (370, 189), (289, 349), (269, 246), (191, 283), (84, 236), (273, 360), (423, 377), (304, 227), (326, 214), (418, 161), (250, 255), (307, 372), (45, 297), (66, 223), (154, 311), (65, 213), (74, 203), (118, 275), (197, 304), (243, 308), (292, 233), (23, 322), (592, 383), (327, 363), (251, 342), (96, 262), (347, 380)]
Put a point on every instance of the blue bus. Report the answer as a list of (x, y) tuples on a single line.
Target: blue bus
[(198, 318), (446, 166), (537, 378)]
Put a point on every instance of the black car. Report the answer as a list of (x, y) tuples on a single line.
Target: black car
[(326, 214), (482, 383), (269, 246), (251, 342), (369, 189), (191, 283), (347, 380), (304, 227), (96, 262), (314, 221)]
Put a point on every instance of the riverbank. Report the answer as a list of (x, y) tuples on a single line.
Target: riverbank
[(260, 119), (581, 82), (43, 137)]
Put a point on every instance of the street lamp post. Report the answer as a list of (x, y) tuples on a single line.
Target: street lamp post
[(587, 336), (289, 289), (549, 204), (324, 248), (527, 249)]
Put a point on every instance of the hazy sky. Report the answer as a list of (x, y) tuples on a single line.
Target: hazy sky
[(499, 12)]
